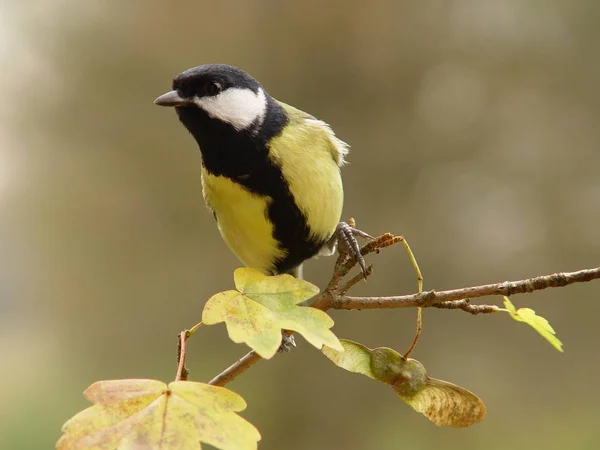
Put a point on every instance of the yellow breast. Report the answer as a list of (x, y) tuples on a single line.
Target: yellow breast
[(308, 155), (242, 220)]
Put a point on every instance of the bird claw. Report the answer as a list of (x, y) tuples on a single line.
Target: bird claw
[(346, 234), (287, 342)]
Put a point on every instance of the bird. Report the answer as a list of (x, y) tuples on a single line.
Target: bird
[(270, 172)]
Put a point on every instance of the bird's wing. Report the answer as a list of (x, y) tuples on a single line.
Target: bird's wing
[(339, 149)]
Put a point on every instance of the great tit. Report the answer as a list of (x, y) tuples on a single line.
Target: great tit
[(270, 172)]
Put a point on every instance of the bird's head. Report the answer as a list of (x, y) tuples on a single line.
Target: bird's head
[(221, 92)]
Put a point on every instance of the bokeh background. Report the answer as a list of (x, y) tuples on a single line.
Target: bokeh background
[(474, 133)]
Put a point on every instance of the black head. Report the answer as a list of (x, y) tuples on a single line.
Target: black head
[(222, 92), (211, 79)]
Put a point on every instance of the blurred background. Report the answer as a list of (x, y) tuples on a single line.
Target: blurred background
[(474, 133)]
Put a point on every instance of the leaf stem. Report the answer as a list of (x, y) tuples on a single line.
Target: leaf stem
[(194, 328), (417, 333), (415, 265)]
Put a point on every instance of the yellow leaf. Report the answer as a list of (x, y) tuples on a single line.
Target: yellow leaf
[(443, 403), (262, 306), (447, 405), (149, 415), (538, 323)]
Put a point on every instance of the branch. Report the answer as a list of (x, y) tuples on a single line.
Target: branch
[(182, 372), (334, 296), (241, 365), (441, 299), (465, 305), (238, 367)]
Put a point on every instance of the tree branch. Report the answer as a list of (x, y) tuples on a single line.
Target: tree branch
[(334, 296), (465, 305), (433, 298), (238, 367)]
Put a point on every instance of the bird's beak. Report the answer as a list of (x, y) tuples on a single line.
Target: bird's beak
[(171, 98)]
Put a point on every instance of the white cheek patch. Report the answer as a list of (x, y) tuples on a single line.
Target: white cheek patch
[(239, 107)]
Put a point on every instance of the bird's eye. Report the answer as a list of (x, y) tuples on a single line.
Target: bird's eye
[(212, 88), (185, 91)]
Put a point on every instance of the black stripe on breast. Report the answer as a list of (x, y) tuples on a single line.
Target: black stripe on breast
[(242, 156)]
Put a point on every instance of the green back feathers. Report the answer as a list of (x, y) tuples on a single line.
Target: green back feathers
[(338, 148), (309, 155)]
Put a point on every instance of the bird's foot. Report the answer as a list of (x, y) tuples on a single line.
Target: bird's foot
[(345, 235), (287, 342)]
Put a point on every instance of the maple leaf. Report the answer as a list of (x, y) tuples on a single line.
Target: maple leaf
[(538, 323), (151, 415), (263, 306)]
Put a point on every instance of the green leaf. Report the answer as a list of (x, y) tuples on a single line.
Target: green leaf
[(538, 323), (443, 403), (263, 306), (149, 414)]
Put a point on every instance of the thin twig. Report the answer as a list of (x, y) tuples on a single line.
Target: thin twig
[(238, 367), (356, 279), (430, 298), (182, 372), (465, 305)]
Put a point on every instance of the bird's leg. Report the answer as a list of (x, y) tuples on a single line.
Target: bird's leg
[(287, 338), (287, 341), (297, 272), (345, 237)]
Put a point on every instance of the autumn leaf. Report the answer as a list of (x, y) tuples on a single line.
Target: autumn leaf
[(443, 403), (262, 306), (150, 415), (538, 323)]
